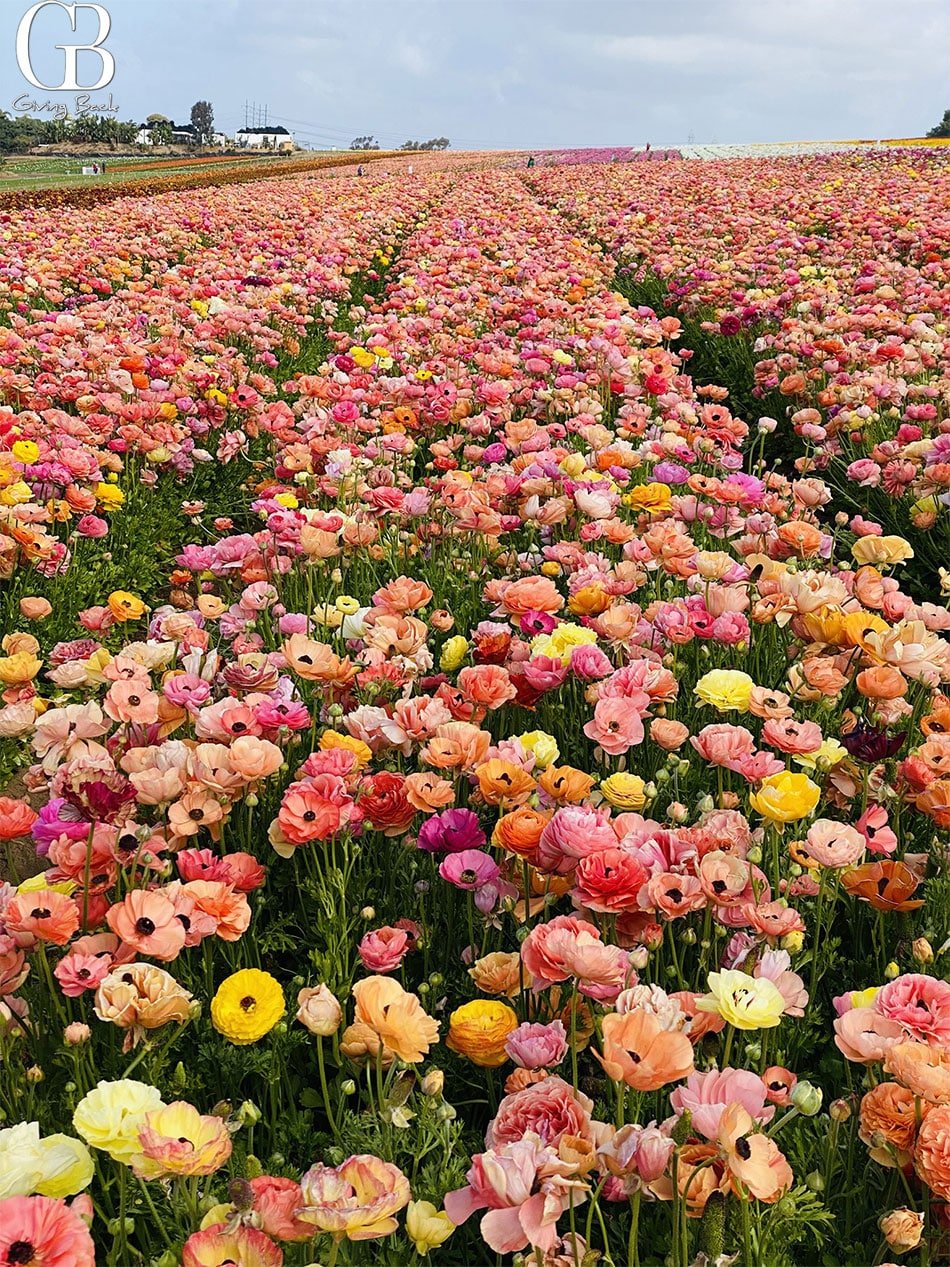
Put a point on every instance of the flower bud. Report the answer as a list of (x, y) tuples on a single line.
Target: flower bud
[(839, 1110), (368, 912), (815, 1181), (76, 1033), (249, 1114), (892, 970), (922, 950), (433, 1082), (35, 1074), (319, 1011), (806, 1097), (348, 1086)]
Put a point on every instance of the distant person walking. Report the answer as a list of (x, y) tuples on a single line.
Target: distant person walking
[(359, 169), (409, 170), (530, 160)]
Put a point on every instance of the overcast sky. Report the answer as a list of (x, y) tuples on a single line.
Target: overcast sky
[(517, 73)]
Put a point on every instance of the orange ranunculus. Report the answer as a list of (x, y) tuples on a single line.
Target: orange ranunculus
[(565, 784), (503, 782), (888, 885), (591, 600), (936, 722), (935, 802), (16, 818), (799, 538), (889, 1112), (922, 1069), (639, 1052), (456, 745), (520, 830)]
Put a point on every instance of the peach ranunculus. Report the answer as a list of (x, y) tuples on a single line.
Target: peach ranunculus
[(148, 921), (500, 972), (389, 1021), (639, 1052), (41, 915), (357, 1200), (140, 996), (932, 1152), (751, 1157), (923, 1069)]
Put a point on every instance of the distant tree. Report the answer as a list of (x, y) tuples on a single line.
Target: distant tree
[(436, 143), (364, 143), (202, 119), (160, 131), (158, 118), (943, 127)]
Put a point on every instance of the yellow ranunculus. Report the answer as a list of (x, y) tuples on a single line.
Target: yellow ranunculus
[(247, 1005), (725, 689), (110, 1116), (16, 494), (334, 739), (624, 791), (427, 1227), (831, 753), (655, 497), (347, 605), (39, 882), (785, 797), (453, 653), (743, 1001), (877, 550), (108, 496), (559, 644), (26, 451), (125, 606), (67, 1166), (480, 1029), (542, 745), (287, 500), (18, 669)]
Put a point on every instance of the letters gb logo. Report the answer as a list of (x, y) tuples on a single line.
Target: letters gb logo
[(71, 51)]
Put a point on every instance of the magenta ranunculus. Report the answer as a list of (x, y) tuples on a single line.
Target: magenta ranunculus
[(451, 832)]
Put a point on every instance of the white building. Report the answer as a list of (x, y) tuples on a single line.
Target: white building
[(269, 138)]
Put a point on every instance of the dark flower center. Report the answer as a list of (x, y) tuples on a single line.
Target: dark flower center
[(676, 895), (248, 1002), (145, 926), (196, 815), (743, 1148), (20, 1252), (39, 912)]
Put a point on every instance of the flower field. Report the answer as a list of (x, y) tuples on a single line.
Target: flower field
[(475, 680)]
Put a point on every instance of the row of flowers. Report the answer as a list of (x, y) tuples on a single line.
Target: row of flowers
[(576, 782)]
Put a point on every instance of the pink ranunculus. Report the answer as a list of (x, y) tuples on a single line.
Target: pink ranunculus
[(919, 1004), (708, 1095), (616, 726), (550, 1109), (536, 1046), (384, 949), (525, 1188)]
